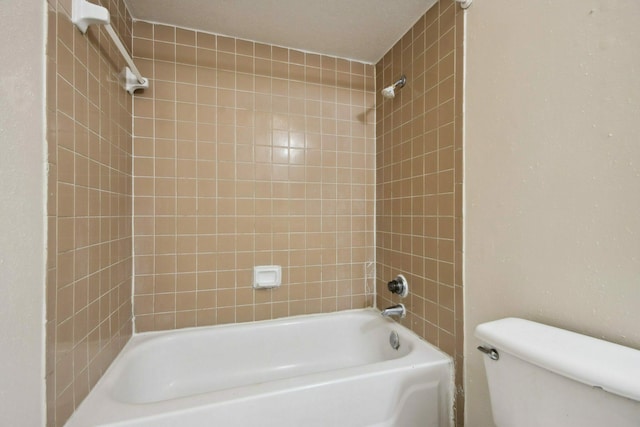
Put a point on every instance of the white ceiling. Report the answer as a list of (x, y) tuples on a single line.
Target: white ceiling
[(362, 30)]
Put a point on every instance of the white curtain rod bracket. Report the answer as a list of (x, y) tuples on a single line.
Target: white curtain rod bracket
[(130, 82), (464, 4), (84, 14)]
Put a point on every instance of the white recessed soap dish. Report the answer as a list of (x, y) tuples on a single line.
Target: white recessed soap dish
[(267, 276)]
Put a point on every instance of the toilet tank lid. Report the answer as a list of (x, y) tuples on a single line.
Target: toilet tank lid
[(591, 361)]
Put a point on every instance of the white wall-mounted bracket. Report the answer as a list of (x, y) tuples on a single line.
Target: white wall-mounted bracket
[(464, 4), (84, 14), (130, 82)]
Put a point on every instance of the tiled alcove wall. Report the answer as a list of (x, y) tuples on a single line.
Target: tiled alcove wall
[(89, 256), (248, 154), (419, 179)]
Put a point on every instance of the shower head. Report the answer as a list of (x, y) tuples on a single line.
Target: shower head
[(389, 92)]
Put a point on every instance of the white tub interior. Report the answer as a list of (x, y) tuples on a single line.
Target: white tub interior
[(166, 365)]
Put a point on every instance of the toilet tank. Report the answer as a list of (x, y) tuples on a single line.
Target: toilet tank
[(546, 376)]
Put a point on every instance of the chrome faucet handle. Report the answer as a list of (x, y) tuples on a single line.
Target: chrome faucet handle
[(399, 286)]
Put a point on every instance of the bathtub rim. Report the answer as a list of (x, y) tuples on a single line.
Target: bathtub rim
[(148, 335)]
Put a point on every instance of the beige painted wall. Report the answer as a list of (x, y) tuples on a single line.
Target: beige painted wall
[(21, 214), (552, 171)]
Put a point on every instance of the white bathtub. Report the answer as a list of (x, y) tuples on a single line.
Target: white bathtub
[(322, 370)]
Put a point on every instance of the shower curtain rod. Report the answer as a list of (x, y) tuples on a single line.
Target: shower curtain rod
[(84, 14)]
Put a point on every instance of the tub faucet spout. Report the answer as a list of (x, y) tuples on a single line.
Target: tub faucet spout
[(395, 310)]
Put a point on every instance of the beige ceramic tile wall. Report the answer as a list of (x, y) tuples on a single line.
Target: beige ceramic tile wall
[(419, 179), (248, 154), (89, 207)]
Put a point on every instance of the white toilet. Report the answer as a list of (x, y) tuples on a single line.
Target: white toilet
[(544, 376)]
